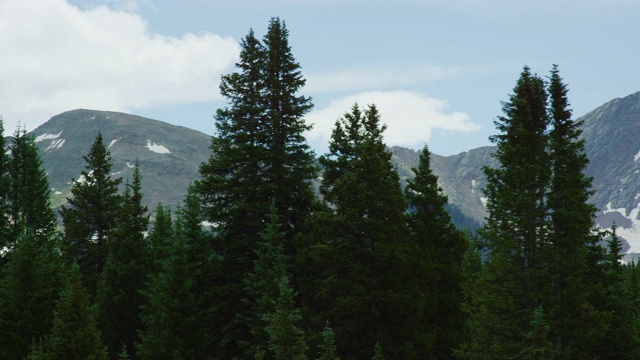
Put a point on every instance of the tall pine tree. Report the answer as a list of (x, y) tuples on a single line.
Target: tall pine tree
[(513, 283), (125, 273), (356, 273), (440, 250), (258, 153), (571, 225), (29, 205), (91, 215), (30, 286), (75, 335)]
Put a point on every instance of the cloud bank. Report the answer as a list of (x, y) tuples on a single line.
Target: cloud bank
[(57, 57), (410, 117)]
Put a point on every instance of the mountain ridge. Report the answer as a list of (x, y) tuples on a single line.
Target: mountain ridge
[(170, 156)]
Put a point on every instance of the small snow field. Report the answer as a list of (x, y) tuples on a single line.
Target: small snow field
[(47, 137), (160, 149)]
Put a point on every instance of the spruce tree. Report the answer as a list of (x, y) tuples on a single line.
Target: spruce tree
[(275, 319), (125, 273), (177, 312), (91, 215), (571, 224), (30, 286), (75, 335), (161, 236), (327, 350), (29, 205), (356, 273), (440, 250), (513, 282), (258, 153)]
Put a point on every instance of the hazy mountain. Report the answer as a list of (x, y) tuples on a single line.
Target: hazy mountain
[(169, 158)]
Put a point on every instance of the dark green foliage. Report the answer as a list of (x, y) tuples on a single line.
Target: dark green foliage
[(539, 347), (358, 271), (75, 335), (571, 224), (438, 257), (29, 206), (618, 307), (275, 327), (161, 235), (30, 286), (177, 311), (327, 350), (128, 264), (263, 283), (286, 339), (377, 352), (513, 282), (259, 153), (91, 216), (539, 246)]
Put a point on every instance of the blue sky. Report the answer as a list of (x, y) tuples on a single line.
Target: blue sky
[(437, 69)]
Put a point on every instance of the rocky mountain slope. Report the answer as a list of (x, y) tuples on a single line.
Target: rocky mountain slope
[(169, 158)]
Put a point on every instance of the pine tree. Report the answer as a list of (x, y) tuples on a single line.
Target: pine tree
[(571, 223), (377, 352), (125, 273), (75, 335), (440, 250), (356, 272), (275, 319), (29, 205), (30, 287), (161, 235), (327, 350), (259, 153), (539, 346), (286, 338), (617, 340), (177, 311), (91, 216), (513, 282)]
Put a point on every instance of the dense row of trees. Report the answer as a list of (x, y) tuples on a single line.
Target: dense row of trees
[(360, 269)]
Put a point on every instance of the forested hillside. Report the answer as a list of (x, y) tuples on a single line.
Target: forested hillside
[(345, 257)]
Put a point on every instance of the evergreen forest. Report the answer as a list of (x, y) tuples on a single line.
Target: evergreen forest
[(308, 257)]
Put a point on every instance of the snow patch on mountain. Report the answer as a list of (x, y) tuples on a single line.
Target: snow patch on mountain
[(113, 142), (47, 137), (473, 185), (484, 201), (130, 166), (635, 158), (160, 149), (631, 234), (56, 144)]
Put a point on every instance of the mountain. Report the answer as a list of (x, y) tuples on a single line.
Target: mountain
[(169, 156), (612, 144), (612, 140)]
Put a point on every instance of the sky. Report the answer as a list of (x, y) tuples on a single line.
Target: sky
[(437, 70)]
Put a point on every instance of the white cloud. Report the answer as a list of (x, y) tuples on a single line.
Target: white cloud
[(57, 57), (380, 77), (410, 118)]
